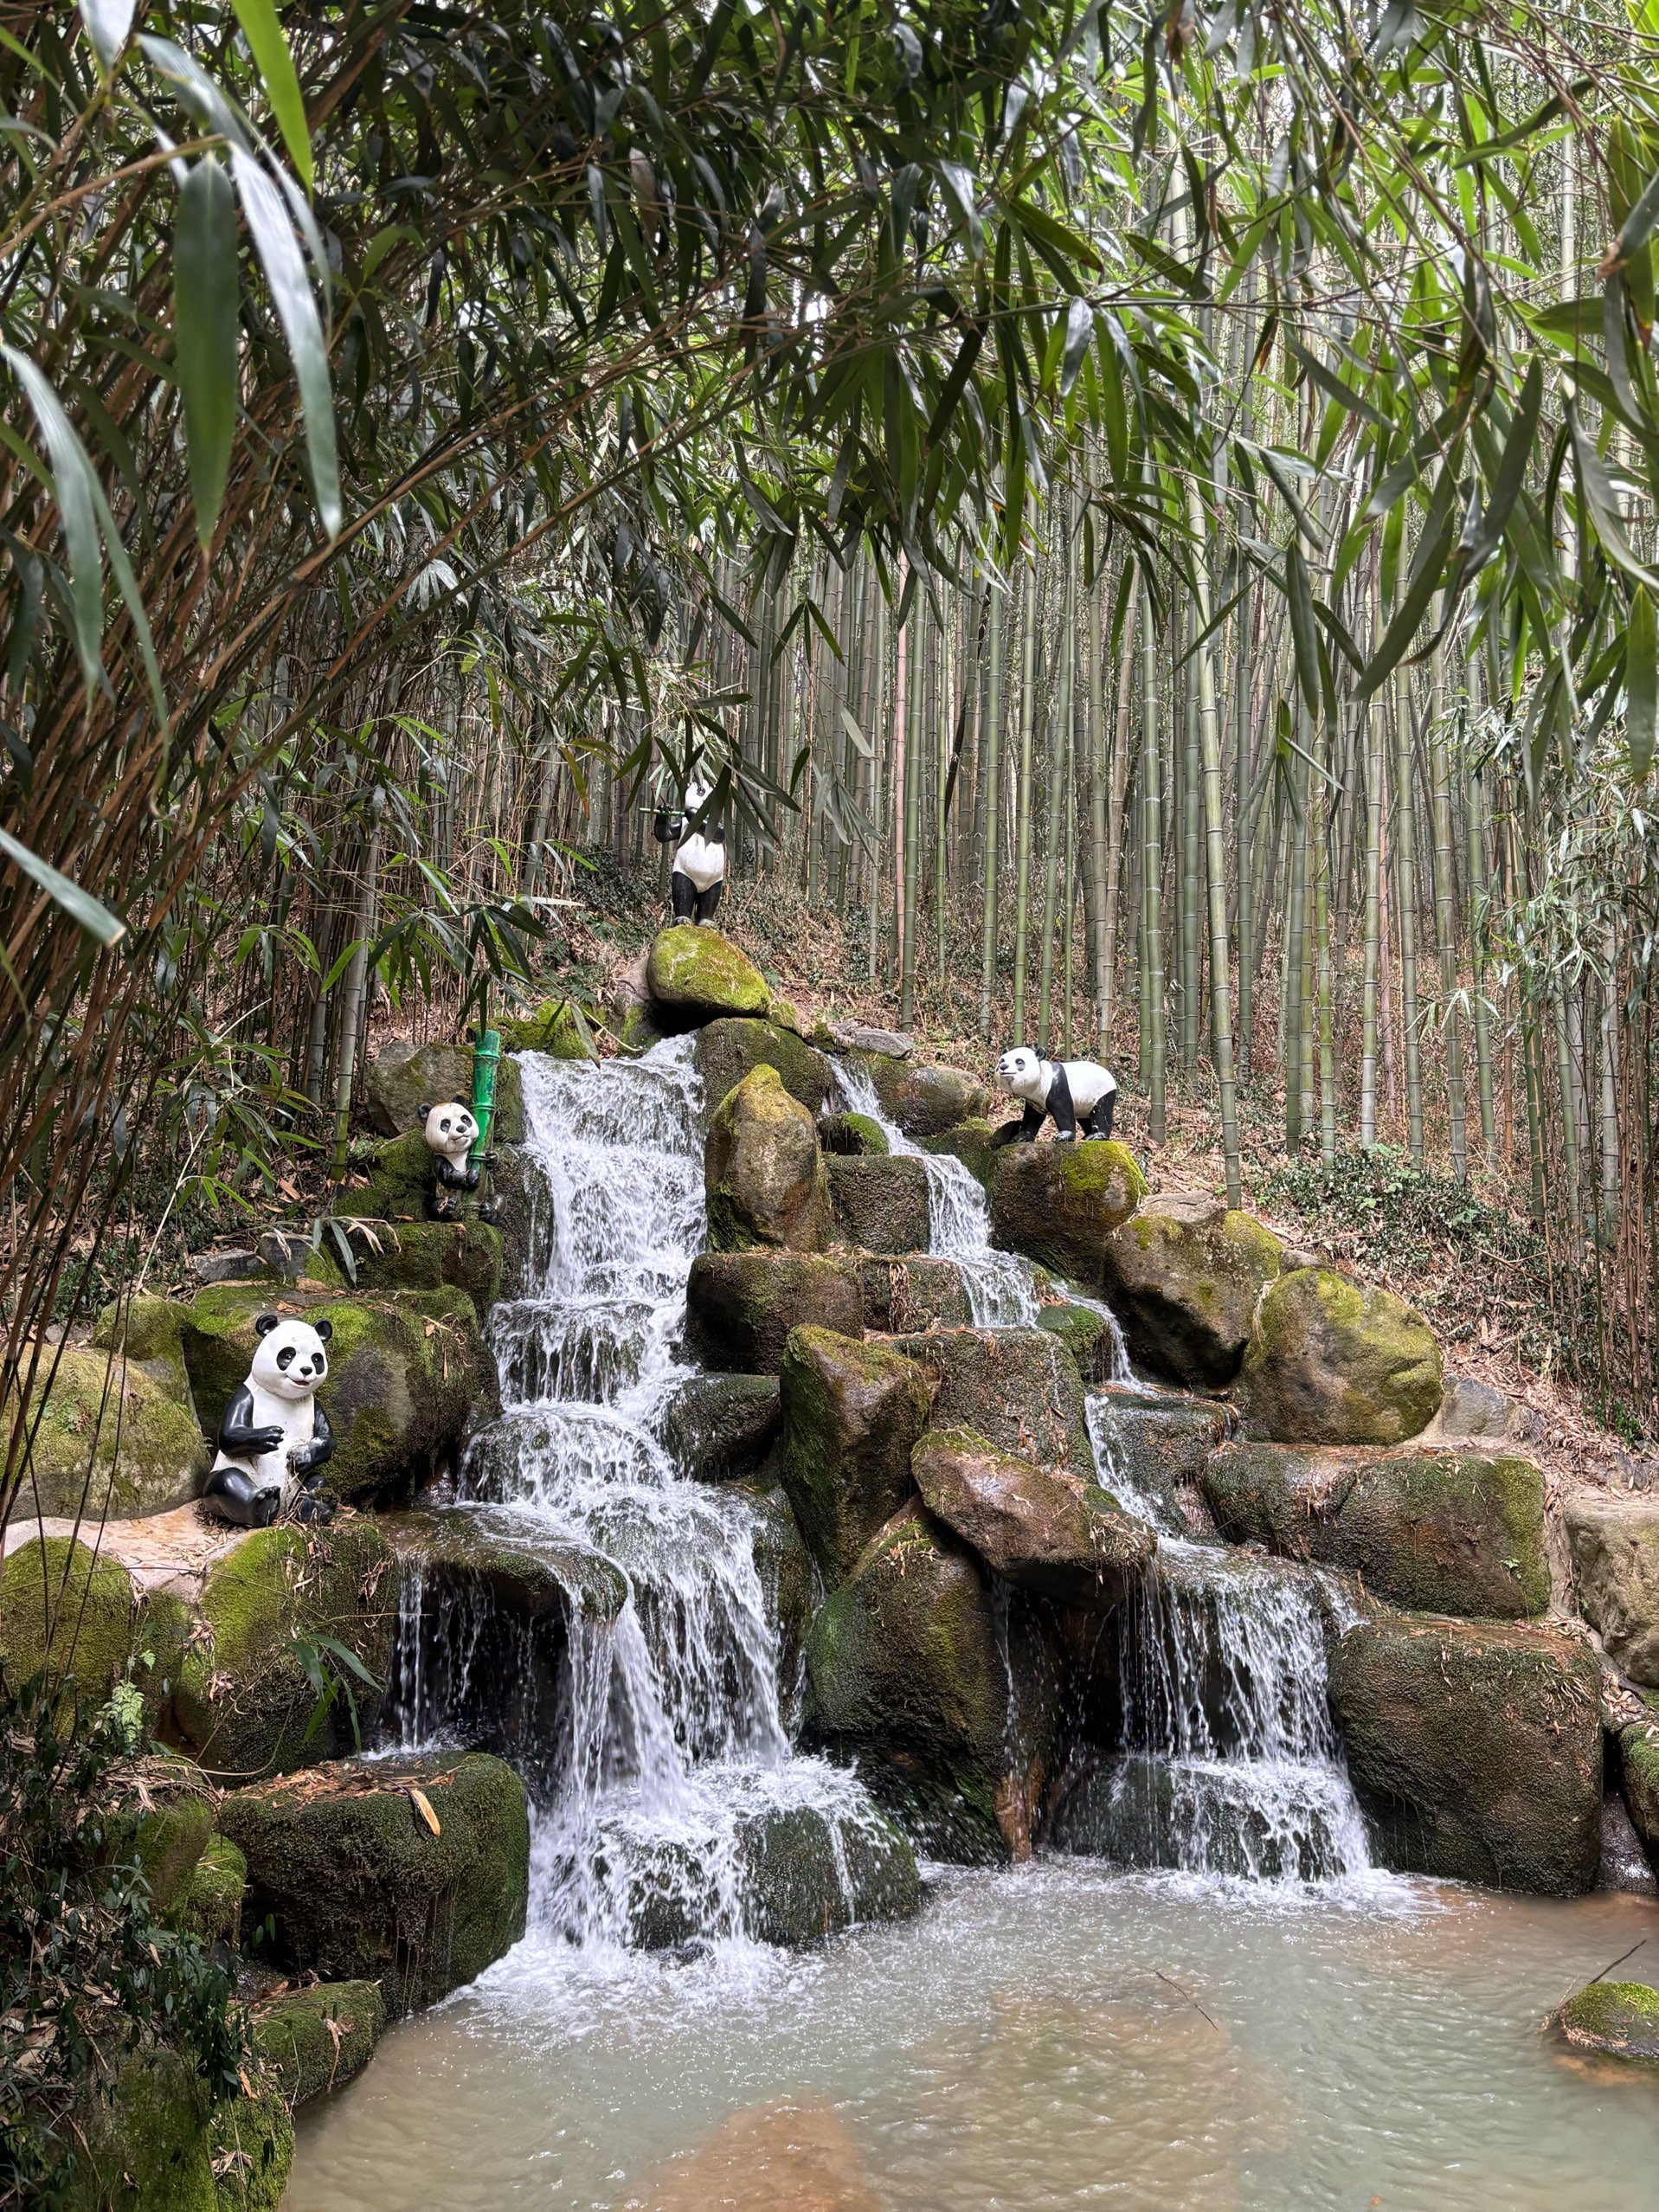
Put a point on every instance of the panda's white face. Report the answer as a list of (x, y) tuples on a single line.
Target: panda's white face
[(451, 1130), (292, 1356), (695, 794), (1022, 1072)]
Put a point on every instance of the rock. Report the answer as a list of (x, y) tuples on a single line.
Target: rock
[(858, 1037), (1027, 1526), (1019, 1388), (1058, 1203), (145, 2144), (972, 1142), (1160, 1442), (462, 1547), (1137, 1811), (765, 1176), (907, 1658), (1475, 1750), (1473, 1412), (1440, 1531), (1332, 1362), (164, 1833), (149, 1331), (924, 1101), (406, 1370), (403, 1079), (240, 1264), (109, 1441), (56, 1591), (1623, 1866), (853, 1136), (1183, 1275), (740, 1306), (787, 1015), (465, 1255), (880, 1205), (903, 1296), (694, 975), (790, 1582), (1615, 1546), (250, 2150), (552, 1028), (316, 2040), (1638, 1752), (718, 1428), (851, 1412), (726, 1051), (807, 1876), (1086, 1334), (211, 1907), (361, 1888), (243, 1701), (1619, 2018)]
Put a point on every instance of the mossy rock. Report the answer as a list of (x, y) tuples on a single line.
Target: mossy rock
[(361, 1890), (147, 2147), (1019, 1388), (164, 1839), (903, 1296), (1058, 1203), (925, 1101), (740, 1306), (850, 1414), (243, 1700), (465, 1255), (1615, 1546), (807, 1876), (456, 1547), (1638, 1751), (313, 2040), (406, 1370), (1432, 1531), (719, 1428), (403, 1079), (728, 1050), (765, 1176), (211, 1907), (1086, 1334), (694, 975), (1183, 1275), (1331, 1361), (250, 2144), (400, 1178), (150, 1331), (109, 1441), (551, 1028), (1160, 1444), (58, 1588), (1618, 2019), (853, 1136), (973, 1143), (1034, 1530), (880, 1205), (1475, 1749)]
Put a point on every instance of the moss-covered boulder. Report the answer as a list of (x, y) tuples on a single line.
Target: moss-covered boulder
[(109, 1441), (403, 1079), (1087, 1335), (806, 1875), (790, 1582), (1331, 1361), (765, 1176), (250, 2149), (552, 1028), (719, 1428), (1028, 1525), (465, 1255), (740, 1306), (149, 1331), (1638, 1755), (904, 1295), (1058, 1203), (146, 2147), (1475, 1749), (1433, 1531), (973, 1143), (1019, 1388), (211, 1906), (726, 1051), (406, 1370), (880, 1205), (1615, 1546), (694, 975), (63, 1605), (925, 1101), (1158, 1441), (1183, 1275), (851, 1412), (462, 1548), (163, 1831), (853, 1136), (244, 1700), (1615, 2019), (315, 2039), (362, 1886)]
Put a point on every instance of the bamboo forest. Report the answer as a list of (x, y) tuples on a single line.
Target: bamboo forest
[(829, 1049)]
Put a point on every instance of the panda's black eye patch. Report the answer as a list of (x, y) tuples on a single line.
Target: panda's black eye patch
[(284, 1358)]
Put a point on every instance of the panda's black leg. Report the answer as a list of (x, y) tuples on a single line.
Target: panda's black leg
[(1060, 1106), (708, 900), (1030, 1125), (1100, 1121), (682, 892), (235, 1496), (313, 1505)]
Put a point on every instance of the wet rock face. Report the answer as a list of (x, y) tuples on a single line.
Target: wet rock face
[(362, 1889), (1162, 1445), (904, 1295), (727, 1050), (1029, 1527), (765, 1175), (1086, 1335), (740, 1306), (1333, 1362), (317, 2040), (1619, 2019), (404, 1079), (1475, 1750), (853, 1136), (1638, 1752), (1624, 1865), (718, 1428), (1441, 1532), (694, 975), (880, 1205), (805, 1878), (1615, 1547), (109, 1440), (1183, 1275), (1058, 1203), (923, 1101), (851, 1412), (1019, 1388), (970, 1141)]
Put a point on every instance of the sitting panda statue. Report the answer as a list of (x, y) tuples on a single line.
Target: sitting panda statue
[(451, 1132), (274, 1436), (699, 870), (1067, 1090)]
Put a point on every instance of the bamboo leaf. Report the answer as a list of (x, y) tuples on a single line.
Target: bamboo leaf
[(72, 487), (1641, 683), (108, 23), (1304, 635), (204, 310), (285, 272), (1425, 580), (275, 63), (80, 905), (1079, 331), (1597, 490)]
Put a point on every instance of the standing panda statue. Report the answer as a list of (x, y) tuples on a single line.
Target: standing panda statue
[(274, 1436), (699, 871), (1068, 1091), (451, 1131)]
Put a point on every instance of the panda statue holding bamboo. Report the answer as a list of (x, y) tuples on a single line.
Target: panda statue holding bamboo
[(274, 1436), (451, 1131), (1068, 1092), (699, 872)]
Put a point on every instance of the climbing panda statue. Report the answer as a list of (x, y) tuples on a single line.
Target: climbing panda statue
[(1070, 1091), (274, 1436), (451, 1132), (699, 871)]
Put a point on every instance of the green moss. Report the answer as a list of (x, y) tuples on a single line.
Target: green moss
[(1333, 1361), (317, 2040), (551, 1028), (691, 970), (973, 1142), (1059, 1203), (1086, 1335), (740, 1306), (1019, 1388), (880, 1205), (166, 1843), (109, 1440), (853, 1136), (63, 1605), (1638, 1746), (1183, 1275), (727, 1051), (150, 1330), (148, 2149), (400, 1176), (211, 1907), (1621, 2018), (465, 1255), (250, 2143), (851, 1412)]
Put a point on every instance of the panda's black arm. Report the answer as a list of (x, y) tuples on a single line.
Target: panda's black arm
[(1024, 1131), (237, 1433), (320, 1447), (464, 1178), (1060, 1106), (666, 829)]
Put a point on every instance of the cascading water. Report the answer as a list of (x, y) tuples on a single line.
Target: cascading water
[(671, 1747)]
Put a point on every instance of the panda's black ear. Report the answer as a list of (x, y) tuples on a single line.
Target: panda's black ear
[(461, 1099), (323, 1328), (423, 1109), (266, 1323)]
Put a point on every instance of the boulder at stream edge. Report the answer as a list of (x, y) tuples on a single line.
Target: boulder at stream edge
[(719, 1428), (1332, 1361), (1183, 1275), (694, 975), (1615, 2019), (764, 1174), (880, 1205), (728, 1050), (1019, 1388), (313, 2041), (1028, 1525), (109, 1439), (157, 2147), (851, 1413), (925, 1101), (1058, 1203), (904, 1295), (1615, 1546), (740, 1306)]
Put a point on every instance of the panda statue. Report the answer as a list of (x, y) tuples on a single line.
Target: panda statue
[(1068, 1090), (451, 1132), (699, 870), (274, 1436)]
